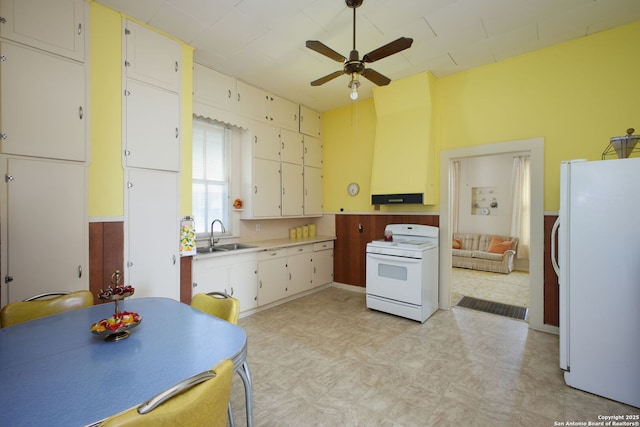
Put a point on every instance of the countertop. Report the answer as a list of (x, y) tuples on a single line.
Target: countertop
[(267, 245)]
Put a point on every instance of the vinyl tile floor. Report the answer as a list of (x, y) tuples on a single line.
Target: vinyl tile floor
[(327, 360)]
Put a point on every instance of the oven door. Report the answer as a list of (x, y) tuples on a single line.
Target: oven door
[(394, 277)]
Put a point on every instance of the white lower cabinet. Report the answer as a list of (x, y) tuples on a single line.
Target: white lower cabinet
[(273, 277), (260, 278), (322, 263), (300, 268), (235, 274)]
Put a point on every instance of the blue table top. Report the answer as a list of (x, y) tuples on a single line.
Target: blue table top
[(54, 371)]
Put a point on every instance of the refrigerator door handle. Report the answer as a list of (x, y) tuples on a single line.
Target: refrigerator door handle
[(554, 258)]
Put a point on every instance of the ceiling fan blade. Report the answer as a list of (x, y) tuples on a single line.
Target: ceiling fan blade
[(376, 77), (328, 77), (325, 50), (388, 49)]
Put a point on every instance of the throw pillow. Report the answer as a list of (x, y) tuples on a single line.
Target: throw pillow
[(457, 244), (498, 246)]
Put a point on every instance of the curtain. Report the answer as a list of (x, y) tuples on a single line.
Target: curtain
[(521, 204), (454, 180)]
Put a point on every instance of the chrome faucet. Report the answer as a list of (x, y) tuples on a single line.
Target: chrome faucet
[(212, 240)]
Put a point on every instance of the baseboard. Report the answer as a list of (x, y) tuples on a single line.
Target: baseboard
[(352, 288)]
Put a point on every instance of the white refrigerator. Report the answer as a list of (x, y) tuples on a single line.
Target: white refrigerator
[(598, 267)]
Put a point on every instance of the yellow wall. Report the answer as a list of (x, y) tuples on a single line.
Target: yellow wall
[(576, 95), (347, 139), (106, 174)]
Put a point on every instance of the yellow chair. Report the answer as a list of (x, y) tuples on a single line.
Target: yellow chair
[(36, 307), (218, 304), (222, 306), (200, 400)]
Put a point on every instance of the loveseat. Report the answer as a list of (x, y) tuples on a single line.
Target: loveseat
[(485, 252)]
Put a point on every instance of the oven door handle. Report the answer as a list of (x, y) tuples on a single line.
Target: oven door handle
[(397, 259)]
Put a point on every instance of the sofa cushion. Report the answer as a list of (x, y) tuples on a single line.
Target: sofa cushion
[(462, 253), (499, 246), (487, 255), (457, 244)]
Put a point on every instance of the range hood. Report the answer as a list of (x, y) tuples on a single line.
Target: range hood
[(403, 157)]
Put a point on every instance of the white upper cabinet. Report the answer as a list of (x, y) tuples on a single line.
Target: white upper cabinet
[(151, 57), (213, 88), (310, 122), (292, 190), (291, 147), (152, 233), (266, 142), (152, 127), (312, 152), (312, 191), (45, 228), (282, 113), (252, 102), (265, 188), (55, 26), (43, 104)]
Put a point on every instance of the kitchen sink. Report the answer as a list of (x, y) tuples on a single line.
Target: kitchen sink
[(233, 246), (223, 248)]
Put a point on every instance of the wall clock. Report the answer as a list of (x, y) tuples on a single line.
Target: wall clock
[(353, 189)]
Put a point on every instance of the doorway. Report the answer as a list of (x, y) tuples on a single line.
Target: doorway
[(535, 148), (490, 197)]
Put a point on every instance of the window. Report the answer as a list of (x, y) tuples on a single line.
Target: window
[(210, 177)]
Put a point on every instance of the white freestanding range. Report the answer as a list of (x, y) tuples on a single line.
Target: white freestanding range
[(402, 273), (598, 271)]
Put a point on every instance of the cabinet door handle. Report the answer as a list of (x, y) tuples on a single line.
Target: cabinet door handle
[(176, 68), (80, 28), (79, 272), (80, 112), (255, 189), (177, 133), (260, 284), (174, 259), (229, 93), (194, 285)]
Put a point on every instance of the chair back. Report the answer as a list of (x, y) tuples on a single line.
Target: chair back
[(218, 304), (200, 400), (36, 307)]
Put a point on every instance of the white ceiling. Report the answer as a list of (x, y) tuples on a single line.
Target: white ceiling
[(262, 42)]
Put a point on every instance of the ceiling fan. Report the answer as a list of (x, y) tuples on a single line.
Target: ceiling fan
[(354, 66)]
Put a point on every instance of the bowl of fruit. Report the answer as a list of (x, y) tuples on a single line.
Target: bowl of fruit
[(116, 327)]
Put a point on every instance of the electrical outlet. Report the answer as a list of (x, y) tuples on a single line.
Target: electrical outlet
[(257, 227)]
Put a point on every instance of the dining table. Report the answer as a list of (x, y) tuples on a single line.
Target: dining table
[(54, 371)]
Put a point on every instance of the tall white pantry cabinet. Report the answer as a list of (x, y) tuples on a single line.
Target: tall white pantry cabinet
[(152, 76), (44, 133)]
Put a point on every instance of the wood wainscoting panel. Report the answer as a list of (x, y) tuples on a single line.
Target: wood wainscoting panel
[(185, 279), (106, 254), (353, 232)]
